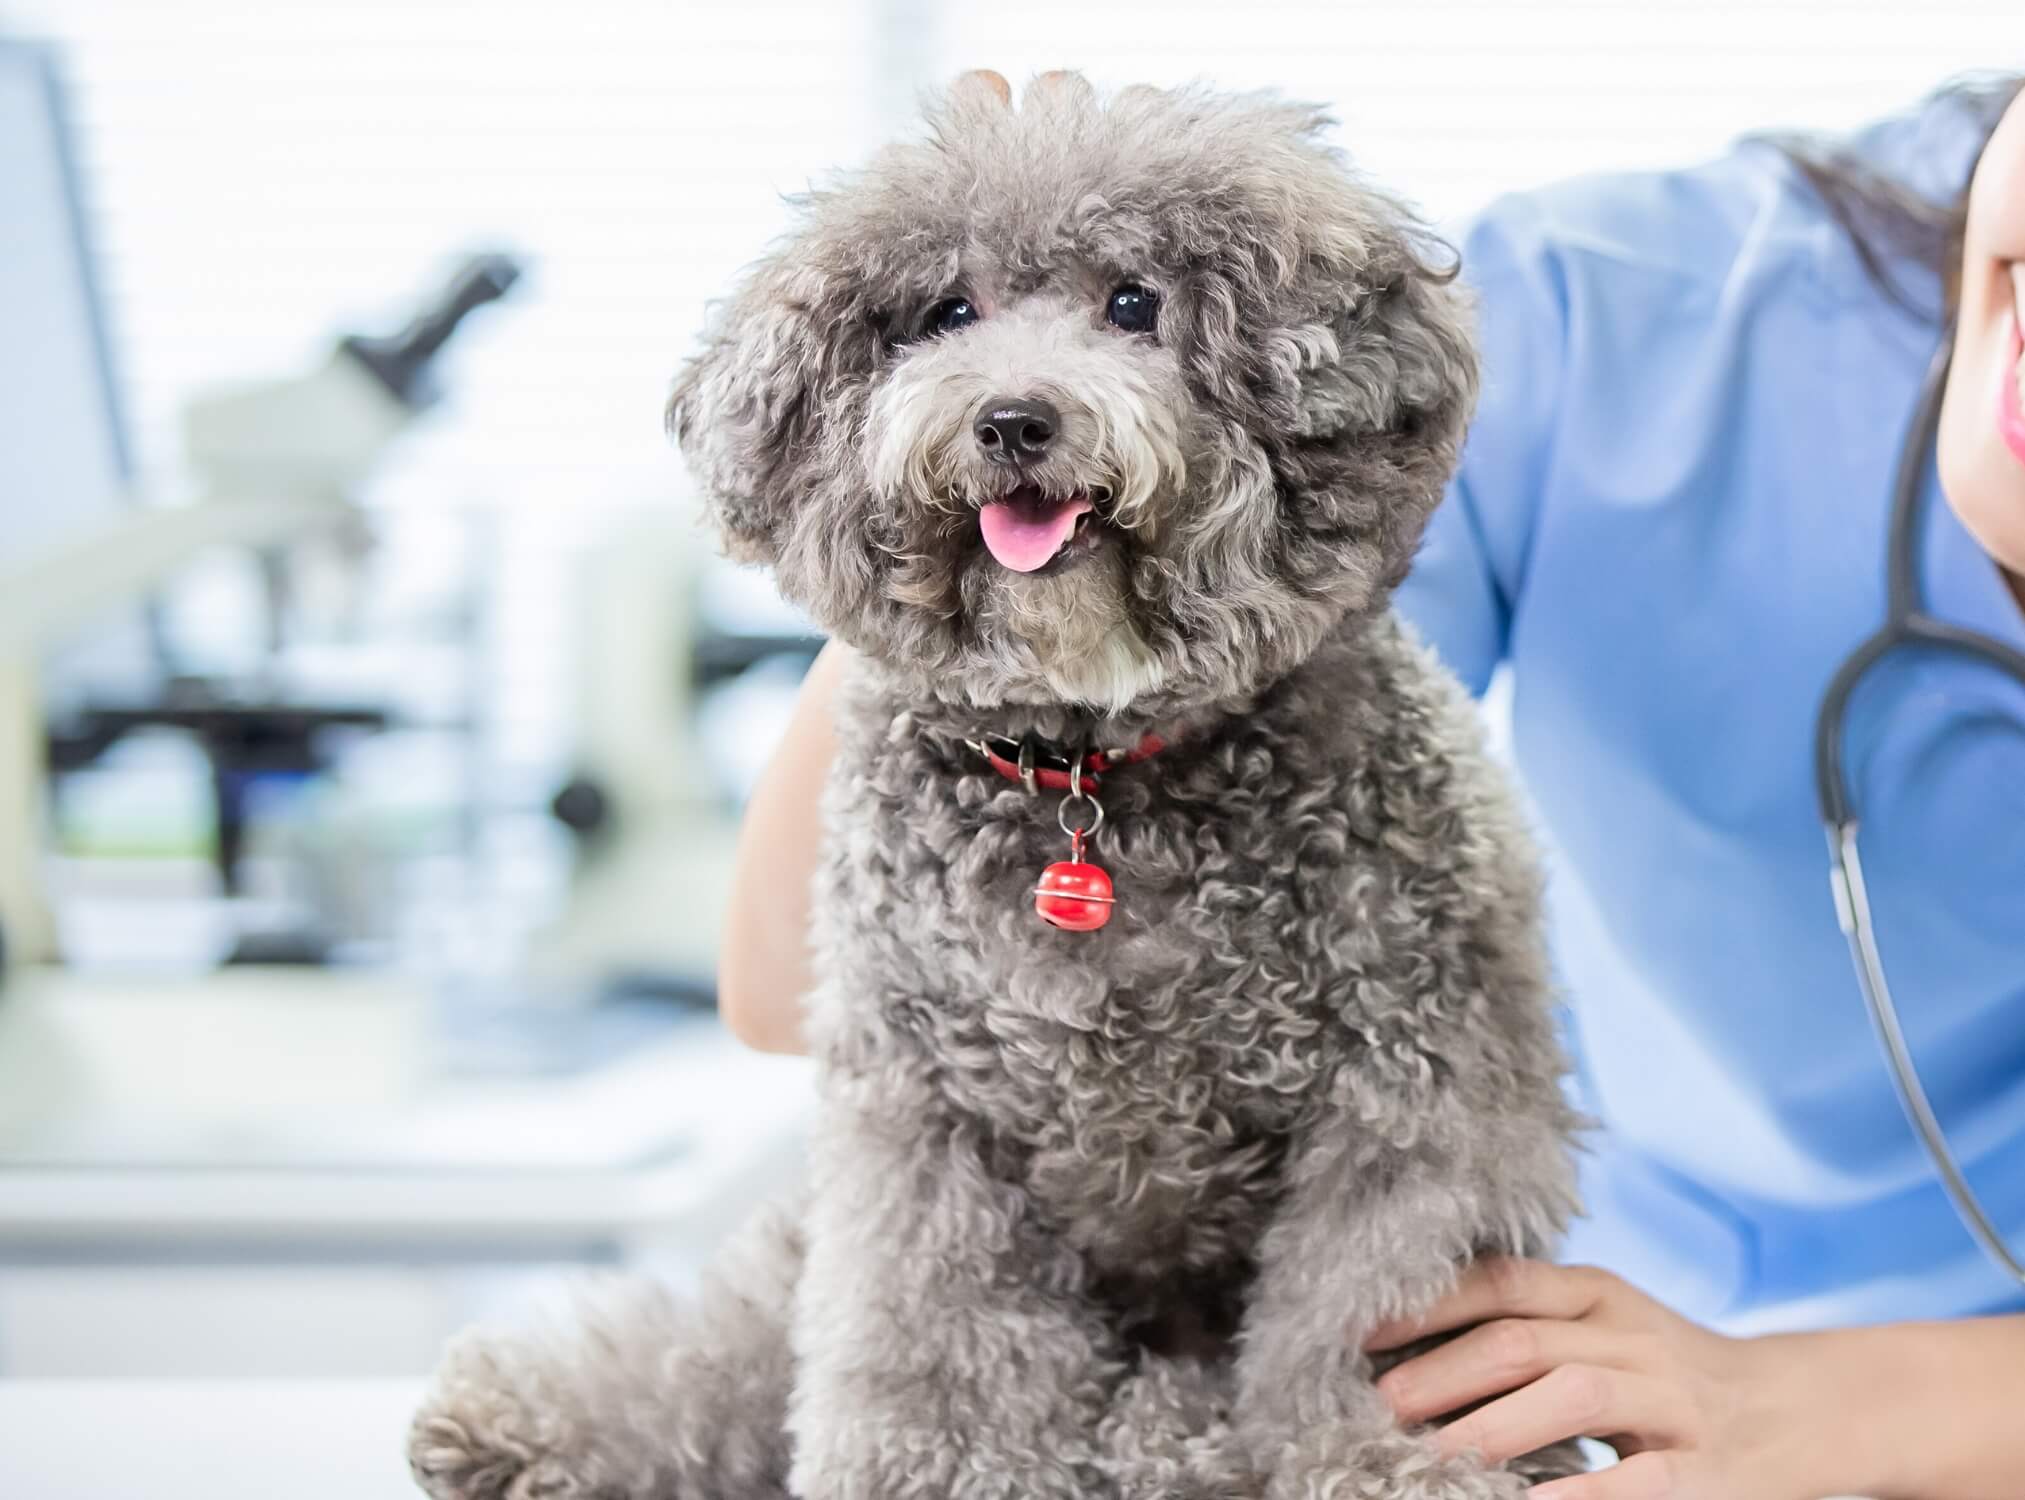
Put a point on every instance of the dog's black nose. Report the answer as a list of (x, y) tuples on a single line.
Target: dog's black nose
[(1016, 429)]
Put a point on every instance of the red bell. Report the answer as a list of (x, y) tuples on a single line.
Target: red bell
[(1074, 896)]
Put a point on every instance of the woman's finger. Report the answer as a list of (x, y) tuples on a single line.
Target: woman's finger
[(1569, 1402), (987, 84), (1501, 1287), (1643, 1476), (1489, 1360)]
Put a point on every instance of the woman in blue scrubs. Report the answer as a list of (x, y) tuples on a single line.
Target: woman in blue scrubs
[(1670, 526)]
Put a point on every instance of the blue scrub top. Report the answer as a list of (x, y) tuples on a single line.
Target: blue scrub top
[(1670, 523)]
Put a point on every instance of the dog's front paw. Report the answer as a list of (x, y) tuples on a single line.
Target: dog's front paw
[(1455, 1479), (1335, 1460), (485, 1433), (451, 1461), (454, 1458)]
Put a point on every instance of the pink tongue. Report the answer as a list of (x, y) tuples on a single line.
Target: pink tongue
[(1026, 534)]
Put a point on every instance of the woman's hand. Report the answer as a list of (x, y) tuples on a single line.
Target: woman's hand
[(1559, 1352)]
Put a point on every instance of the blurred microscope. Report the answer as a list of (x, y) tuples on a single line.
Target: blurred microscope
[(311, 442), (321, 1167), (276, 464)]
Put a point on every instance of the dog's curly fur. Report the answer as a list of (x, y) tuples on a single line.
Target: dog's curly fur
[(1099, 1213)]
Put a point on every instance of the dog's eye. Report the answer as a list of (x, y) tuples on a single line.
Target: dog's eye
[(948, 315), (1133, 308)]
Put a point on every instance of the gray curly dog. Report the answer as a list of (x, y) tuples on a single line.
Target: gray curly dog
[(1085, 421)]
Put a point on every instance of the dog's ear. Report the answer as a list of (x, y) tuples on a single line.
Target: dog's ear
[(1383, 373), (1386, 416), (1333, 315), (1336, 334), (1407, 358), (753, 407), (1381, 344)]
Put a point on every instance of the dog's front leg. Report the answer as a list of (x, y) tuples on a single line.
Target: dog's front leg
[(643, 1395), (943, 1349), (1365, 1236)]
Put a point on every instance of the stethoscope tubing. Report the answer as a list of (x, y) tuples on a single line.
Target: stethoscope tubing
[(1908, 625), (1852, 906)]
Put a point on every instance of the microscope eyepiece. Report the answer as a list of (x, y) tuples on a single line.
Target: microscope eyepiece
[(401, 361)]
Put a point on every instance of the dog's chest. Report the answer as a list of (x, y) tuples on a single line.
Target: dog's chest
[(1143, 1078)]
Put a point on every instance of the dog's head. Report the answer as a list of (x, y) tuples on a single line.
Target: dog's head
[(1114, 403)]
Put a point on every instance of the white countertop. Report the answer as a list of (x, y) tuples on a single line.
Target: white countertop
[(275, 1108), (205, 1440)]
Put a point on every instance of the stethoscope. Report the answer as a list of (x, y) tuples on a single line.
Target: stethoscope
[(1907, 623)]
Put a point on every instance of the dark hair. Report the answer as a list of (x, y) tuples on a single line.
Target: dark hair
[(1888, 223)]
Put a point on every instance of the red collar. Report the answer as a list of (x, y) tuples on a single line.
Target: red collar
[(1050, 768)]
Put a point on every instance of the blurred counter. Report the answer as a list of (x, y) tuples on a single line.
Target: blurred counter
[(206, 1440), (290, 1172)]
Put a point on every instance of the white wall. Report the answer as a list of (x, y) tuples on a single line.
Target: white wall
[(1457, 100), (268, 170)]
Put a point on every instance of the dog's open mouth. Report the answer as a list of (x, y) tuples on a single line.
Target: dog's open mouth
[(1026, 529)]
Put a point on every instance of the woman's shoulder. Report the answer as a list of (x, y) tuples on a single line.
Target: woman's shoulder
[(1625, 320), (1712, 226), (1665, 242)]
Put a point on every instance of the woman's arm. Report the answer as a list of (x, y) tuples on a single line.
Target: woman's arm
[(763, 962), (1951, 1395), (1469, 573), (1908, 1411)]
